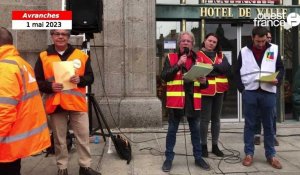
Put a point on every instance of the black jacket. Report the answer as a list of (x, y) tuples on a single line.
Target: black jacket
[(168, 74)]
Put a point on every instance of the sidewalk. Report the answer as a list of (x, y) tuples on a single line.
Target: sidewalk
[(148, 156)]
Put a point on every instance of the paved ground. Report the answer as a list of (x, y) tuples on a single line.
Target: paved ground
[(149, 144)]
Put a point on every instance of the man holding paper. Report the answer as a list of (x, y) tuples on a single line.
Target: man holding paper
[(258, 121), (59, 66), (183, 98), (257, 59)]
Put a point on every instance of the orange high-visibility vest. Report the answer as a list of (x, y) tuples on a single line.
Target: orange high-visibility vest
[(218, 84), (175, 89), (73, 99), (23, 124)]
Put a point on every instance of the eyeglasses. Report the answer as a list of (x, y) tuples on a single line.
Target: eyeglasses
[(185, 40), (57, 34)]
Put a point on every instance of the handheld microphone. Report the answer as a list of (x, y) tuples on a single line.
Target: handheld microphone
[(186, 50)]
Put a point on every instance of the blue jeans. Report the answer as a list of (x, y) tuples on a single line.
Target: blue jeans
[(194, 124), (258, 122), (265, 102)]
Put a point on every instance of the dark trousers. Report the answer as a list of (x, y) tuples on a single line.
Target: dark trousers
[(211, 111), (258, 123), (10, 168), (194, 123), (265, 102)]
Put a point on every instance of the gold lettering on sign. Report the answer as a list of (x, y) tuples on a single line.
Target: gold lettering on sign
[(245, 12), (226, 12), (216, 12)]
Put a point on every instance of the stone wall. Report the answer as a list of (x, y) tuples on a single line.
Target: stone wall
[(129, 63), (29, 42), (123, 57)]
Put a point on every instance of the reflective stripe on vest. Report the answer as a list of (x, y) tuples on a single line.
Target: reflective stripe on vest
[(12, 101), (9, 101), (73, 92), (73, 99), (24, 135), (175, 82), (175, 90), (221, 80), (211, 89), (175, 94), (197, 94), (222, 84), (28, 133), (215, 84)]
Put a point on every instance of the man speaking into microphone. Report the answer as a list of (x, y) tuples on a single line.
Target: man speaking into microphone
[(183, 98)]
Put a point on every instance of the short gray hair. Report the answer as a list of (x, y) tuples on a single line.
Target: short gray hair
[(186, 33)]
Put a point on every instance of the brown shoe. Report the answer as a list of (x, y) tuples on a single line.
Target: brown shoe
[(274, 162), (257, 140), (248, 160)]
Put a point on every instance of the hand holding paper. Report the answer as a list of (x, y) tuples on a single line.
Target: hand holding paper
[(63, 71), (269, 78), (75, 79), (57, 87), (202, 80), (198, 70)]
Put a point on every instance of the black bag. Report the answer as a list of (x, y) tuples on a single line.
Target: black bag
[(51, 148), (123, 147)]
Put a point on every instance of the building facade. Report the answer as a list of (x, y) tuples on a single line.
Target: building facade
[(233, 21), (127, 56)]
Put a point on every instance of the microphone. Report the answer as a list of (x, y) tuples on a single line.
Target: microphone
[(186, 50)]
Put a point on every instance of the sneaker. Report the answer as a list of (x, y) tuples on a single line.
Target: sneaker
[(88, 171), (257, 140), (202, 164), (62, 172), (276, 143), (167, 165), (217, 151), (204, 151), (274, 162), (248, 160)]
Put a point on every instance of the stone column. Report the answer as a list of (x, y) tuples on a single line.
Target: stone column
[(129, 62)]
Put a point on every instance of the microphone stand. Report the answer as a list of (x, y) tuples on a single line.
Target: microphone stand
[(93, 105)]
